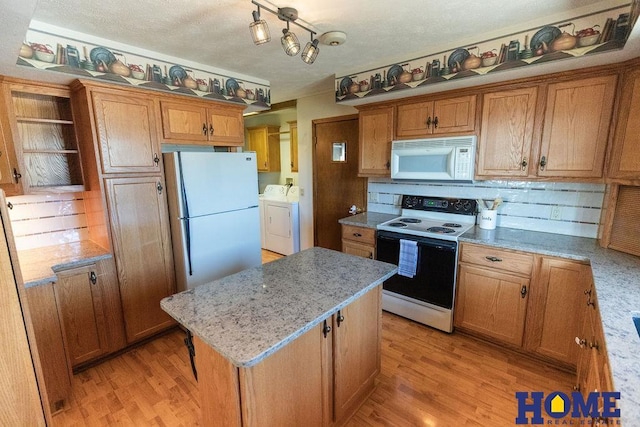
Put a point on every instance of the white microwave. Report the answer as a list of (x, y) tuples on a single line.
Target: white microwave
[(436, 159)]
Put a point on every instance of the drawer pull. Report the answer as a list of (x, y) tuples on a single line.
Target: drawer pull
[(357, 234), (494, 258), (523, 291), (93, 278)]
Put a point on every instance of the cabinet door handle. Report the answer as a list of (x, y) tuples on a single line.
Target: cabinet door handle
[(10, 205), (388, 165), (16, 175), (326, 329), (204, 128), (594, 345), (587, 292), (429, 122), (370, 255), (543, 163), (156, 159), (93, 278), (494, 258), (340, 318), (357, 235), (524, 163), (591, 303), (435, 123), (581, 342), (523, 291), (159, 188), (210, 129)]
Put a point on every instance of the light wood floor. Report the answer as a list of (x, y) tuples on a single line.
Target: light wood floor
[(268, 256), (428, 378)]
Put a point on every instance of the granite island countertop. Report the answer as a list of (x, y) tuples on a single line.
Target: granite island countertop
[(39, 266), (251, 314)]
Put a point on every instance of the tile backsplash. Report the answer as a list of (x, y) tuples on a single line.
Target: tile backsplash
[(554, 207), (47, 219)]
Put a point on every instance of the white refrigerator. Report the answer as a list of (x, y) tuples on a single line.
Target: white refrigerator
[(214, 215)]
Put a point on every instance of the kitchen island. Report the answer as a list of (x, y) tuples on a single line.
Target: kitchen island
[(292, 342)]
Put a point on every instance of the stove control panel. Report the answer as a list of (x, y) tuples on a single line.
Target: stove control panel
[(439, 204)]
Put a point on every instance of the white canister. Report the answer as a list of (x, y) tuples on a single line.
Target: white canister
[(488, 219)]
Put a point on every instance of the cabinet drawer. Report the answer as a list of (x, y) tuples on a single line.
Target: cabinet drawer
[(497, 258), (359, 234)]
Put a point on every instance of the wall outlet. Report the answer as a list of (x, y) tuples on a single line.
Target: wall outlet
[(288, 181), (373, 197), (397, 200), (556, 213), (301, 191)]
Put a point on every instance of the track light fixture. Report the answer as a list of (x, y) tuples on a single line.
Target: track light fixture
[(260, 33)]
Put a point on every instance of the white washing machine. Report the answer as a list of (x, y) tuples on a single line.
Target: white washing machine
[(280, 223)]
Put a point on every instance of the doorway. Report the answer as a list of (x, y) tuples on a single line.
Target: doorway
[(336, 185)]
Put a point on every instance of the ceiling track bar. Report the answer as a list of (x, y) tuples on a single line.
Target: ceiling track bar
[(283, 17)]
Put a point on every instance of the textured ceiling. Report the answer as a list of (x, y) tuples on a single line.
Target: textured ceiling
[(215, 32)]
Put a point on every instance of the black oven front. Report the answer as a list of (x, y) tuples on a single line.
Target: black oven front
[(434, 281)]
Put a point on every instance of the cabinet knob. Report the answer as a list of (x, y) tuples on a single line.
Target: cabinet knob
[(388, 165), (357, 235), (156, 159), (523, 291), (591, 303), (493, 258), (594, 345), (204, 128), (581, 342), (435, 123), (429, 122), (370, 255), (524, 163), (210, 129), (326, 329), (16, 175), (10, 205), (339, 318), (587, 292), (159, 188), (543, 163), (93, 278)]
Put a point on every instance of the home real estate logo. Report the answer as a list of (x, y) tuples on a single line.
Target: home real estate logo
[(558, 405)]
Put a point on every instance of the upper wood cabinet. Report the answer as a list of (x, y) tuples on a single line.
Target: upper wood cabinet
[(142, 248), (375, 136), (293, 143), (506, 133), (443, 116), (126, 131), (625, 155), (202, 123), (265, 141), (39, 145), (576, 127)]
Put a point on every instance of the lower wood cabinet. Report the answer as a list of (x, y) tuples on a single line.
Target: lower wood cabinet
[(90, 310), (51, 344), (522, 300), (142, 247), (319, 379), (359, 241)]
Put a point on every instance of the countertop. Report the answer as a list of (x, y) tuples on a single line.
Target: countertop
[(39, 266), (252, 314), (617, 282)]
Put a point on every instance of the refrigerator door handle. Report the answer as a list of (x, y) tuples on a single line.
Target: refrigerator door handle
[(185, 212)]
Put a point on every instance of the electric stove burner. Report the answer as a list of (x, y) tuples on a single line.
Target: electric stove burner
[(443, 230), (410, 220), (451, 224), (397, 224)]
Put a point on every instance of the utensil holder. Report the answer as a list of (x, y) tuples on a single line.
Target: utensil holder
[(488, 219)]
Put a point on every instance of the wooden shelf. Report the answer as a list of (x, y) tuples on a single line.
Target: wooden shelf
[(29, 151), (39, 120)]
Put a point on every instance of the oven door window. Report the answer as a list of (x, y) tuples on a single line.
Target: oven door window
[(435, 275)]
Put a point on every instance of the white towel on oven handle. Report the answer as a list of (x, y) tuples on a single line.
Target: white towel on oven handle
[(408, 262)]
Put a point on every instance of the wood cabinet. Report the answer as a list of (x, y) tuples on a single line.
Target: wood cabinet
[(442, 116), (375, 136), (577, 119), (506, 133), (319, 379), (265, 141), (142, 247), (551, 324), (356, 353), (293, 144), (40, 149), (202, 123), (51, 344), (359, 241), (625, 153), (125, 125), (90, 310)]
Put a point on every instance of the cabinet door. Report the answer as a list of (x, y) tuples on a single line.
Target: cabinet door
[(358, 249), (8, 161), (259, 143), (226, 126), (576, 127), (356, 352), (127, 133), (79, 299), (184, 122), (551, 327), (625, 157), (492, 303), (376, 133), (454, 115), (51, 344), (142, 246), (414, 120), (506, 132)]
